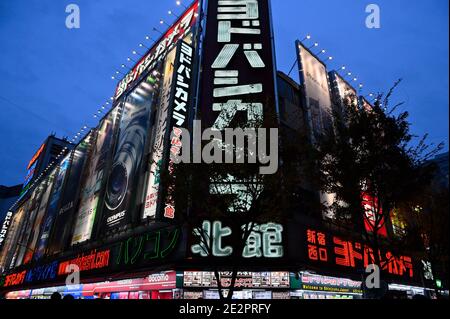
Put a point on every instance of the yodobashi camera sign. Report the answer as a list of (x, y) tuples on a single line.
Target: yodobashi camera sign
[(5, 227), (175, 103)]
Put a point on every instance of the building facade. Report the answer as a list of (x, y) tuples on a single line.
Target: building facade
[(105, 212)]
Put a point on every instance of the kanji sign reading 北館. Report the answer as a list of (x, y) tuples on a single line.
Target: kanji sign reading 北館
[(330, 250), (265, 241)]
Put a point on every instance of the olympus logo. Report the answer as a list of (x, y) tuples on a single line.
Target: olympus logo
[(115, 217), (158, 278)]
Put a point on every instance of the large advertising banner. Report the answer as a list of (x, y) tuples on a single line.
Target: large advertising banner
[(316, 92), (159, 141), (121, 188), (93, 179), (47, 185), (27, 229), (52, 210), (64, 220), (315, 85)]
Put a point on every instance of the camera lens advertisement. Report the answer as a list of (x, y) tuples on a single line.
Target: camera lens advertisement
[(127, 163)]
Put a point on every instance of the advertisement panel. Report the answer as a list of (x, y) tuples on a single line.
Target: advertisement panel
[(47, 185), (52, 208), (27, 229), (64, 220), (94, 179), (173, 115), (315, 86), (121, 188), (159, 141)]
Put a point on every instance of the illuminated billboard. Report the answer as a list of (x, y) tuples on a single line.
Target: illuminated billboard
[(52, 210), (94, 179), (47, 185), (316, 90), (4, 227), (174, 108), (335, 253), (64, 221), (123, 180), (33, 207), (160, 138)]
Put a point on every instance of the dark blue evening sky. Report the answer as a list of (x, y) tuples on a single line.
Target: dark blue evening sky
[(53, 79)]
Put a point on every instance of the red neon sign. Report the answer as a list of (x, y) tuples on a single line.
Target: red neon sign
[(324, 248), (15, 279), (35, 156), (95, 260)]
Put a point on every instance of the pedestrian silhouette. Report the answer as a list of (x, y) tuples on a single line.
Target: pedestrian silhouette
[(55, 296)]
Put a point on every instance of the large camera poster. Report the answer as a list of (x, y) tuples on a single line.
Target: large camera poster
[(121, 189)]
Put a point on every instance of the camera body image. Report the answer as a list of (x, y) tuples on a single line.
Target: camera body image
[(129, 154)]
